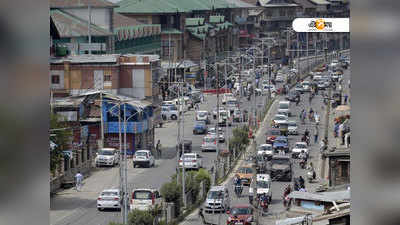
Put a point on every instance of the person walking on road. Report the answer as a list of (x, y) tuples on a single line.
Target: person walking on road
[(345, 99), (158, 148), (78, 180), (316, 136)]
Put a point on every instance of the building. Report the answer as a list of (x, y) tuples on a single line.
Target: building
[(70, 19), (338, 163)]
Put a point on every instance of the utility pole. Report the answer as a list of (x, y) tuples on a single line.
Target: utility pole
[(121, 181), (217, 127), (89, 22), (181, 101), (298, 54), (125, 220), (101, 121), (308, 62)]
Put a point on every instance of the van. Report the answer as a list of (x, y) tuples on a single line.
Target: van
[(217, 199), (264, 186), (284, 106), (145, 199)]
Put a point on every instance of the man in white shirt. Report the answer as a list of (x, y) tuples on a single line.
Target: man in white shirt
[(78, 179)]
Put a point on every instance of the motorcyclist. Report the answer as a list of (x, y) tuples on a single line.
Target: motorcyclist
[(307, 132), (301, 182)]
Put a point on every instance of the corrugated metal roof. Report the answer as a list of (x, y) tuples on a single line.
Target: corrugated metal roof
[(194, 21), (255, 12), (171, 31), (217, 19), (69, 25), (80, 3), (169, 6), (320, 2), (120, 20), (305, 3), (241, 4), (109, 58), (322, 196)]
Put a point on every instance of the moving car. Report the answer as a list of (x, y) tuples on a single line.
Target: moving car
[(169, 112), (292, 96), (306, 86), (145, 199), (187, 144), (264, 186), (284, 106), (209, 143), (265, 149), (245, 174), (292, 128), (278, 119), (298, 147), (217, 199), (200, 127), (267, 87), (240, 214), (213, 131), (109, 199), (281, 167), (237, 115), (224, 118), (299, 88), (281, 143), (272, 134), (202, 116), (191, 161), (143, 158), (107, 157), (225, 97), (214, 112)]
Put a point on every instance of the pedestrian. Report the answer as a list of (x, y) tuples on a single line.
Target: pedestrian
[(158, 148), (78, 181), (301, 181), (345, 99), (315, 137)]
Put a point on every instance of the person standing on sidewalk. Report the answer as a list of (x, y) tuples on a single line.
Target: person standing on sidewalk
[(78, 181), (158, 148), (316, 136)]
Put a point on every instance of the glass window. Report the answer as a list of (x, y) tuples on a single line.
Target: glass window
[(106, 152), (55, 79), (142, 195)]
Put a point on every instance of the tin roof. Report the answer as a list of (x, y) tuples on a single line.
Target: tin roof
[(69, 25), (241, 4), (120, 20), (194, 21), (322, 196), (170, 31), (81, 4), (305, 3), (320, 2), (217, 19)]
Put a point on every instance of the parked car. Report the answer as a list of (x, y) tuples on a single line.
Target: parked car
[(143, 158), (109, 199), (299, 88), (298, 147), (213, 131), (245, 174), (191, 161), (292, 128), (202, 116), (145, 199), (200, 127), (306, 86), (209, 143), (217, 199), (107, 157), (240, 214)]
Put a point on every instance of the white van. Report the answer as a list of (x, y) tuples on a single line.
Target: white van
[(264, 186), (284, 106), (145, 199)]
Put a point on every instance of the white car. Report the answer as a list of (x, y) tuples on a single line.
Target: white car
[(226, 97), (279, 78), (107, 157), (191, 161), (280, 119), (209, 143), (202, 116), (169, 112), (143, 158), (214, 112), (270, 87), (292, 128), (109, 199), (283, 113), (217, 199), (145, 199), (212, 131), (306, 86), (265, 149), (298, 147)]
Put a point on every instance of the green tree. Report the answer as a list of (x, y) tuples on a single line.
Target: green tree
[(60, 137)]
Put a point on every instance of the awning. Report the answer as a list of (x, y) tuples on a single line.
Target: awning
[(185, 64)]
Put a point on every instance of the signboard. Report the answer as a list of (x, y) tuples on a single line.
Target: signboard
[(92, 46)]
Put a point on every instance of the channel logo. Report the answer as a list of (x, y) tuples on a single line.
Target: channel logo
[(321, 24)]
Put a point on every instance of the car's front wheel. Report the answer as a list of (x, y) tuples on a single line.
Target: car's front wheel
[(174, 117)]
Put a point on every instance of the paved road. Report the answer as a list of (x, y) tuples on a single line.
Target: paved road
[(276, 209)]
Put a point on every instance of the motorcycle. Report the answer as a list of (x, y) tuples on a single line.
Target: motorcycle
[(302, 163), (238, 190), (310, 176), (264, 203), (286, 202)]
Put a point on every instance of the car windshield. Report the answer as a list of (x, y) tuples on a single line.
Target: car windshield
[(292, 124), (141, 154), (279, 117), (281, 141), (142, 195), (209, 139), (172, 107), (202, 113), (274, 132), (283, 106), (106, 152), (241, 211), (262, 184), (109, 193), (231, 103), (265, 147), (245, 170), (301, 146), (214, 195), (280, 161), (189, 156), (200, 123)]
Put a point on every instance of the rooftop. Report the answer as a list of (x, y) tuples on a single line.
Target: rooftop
[(107, 58), (81, 4), (320, 2)]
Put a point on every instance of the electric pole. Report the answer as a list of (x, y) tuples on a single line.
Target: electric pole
[(217, 127)]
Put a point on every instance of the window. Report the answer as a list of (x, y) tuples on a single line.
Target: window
[(55, 79), (107, 77), (282, 12)]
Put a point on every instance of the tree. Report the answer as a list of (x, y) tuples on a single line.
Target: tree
[(139, 217), (60, 137)]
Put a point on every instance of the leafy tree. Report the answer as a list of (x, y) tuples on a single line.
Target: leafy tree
[(60, 137)]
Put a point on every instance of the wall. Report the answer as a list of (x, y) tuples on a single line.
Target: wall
[(100, 16), (195, 50)]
